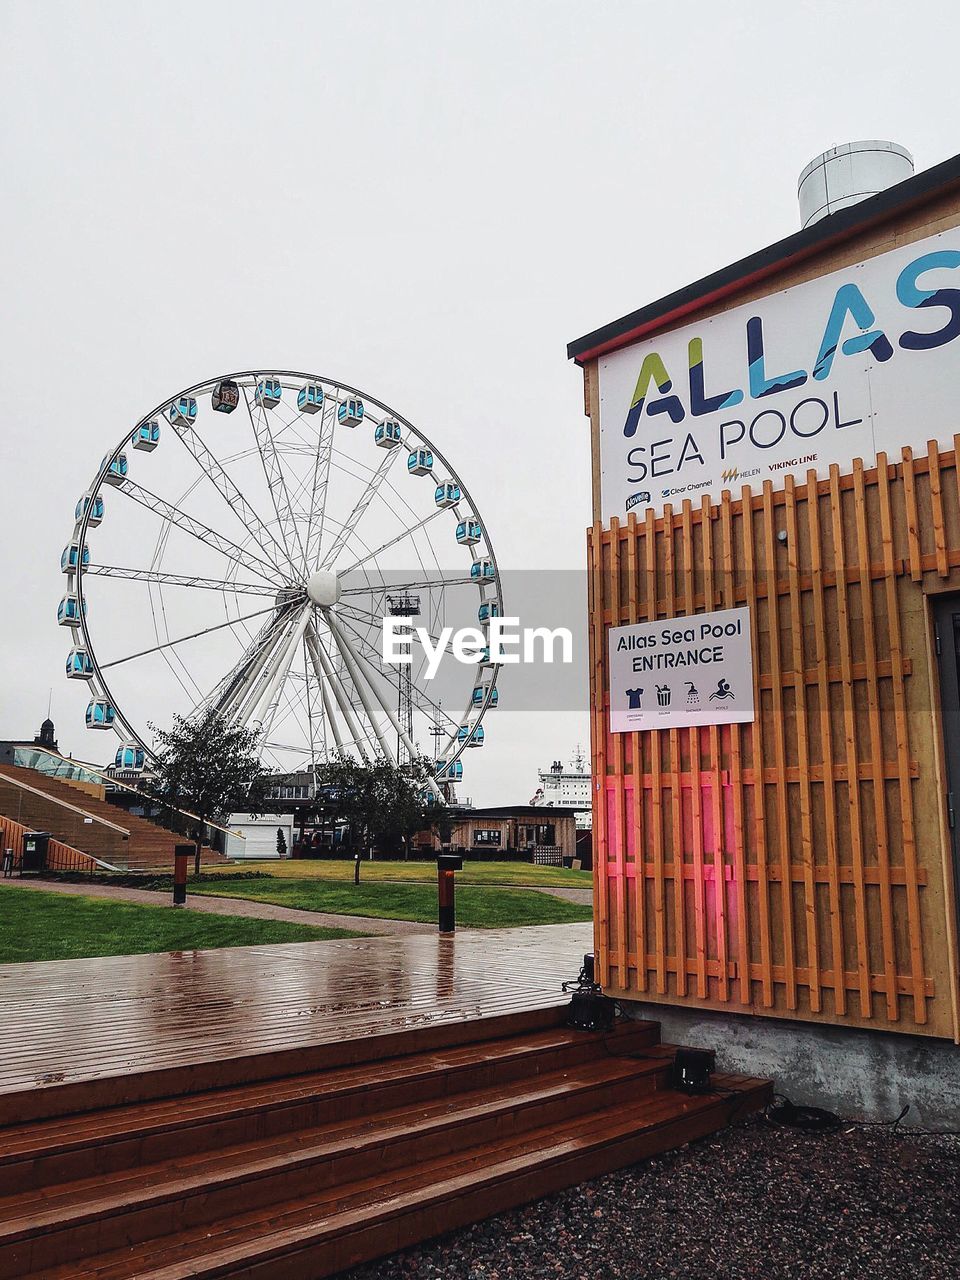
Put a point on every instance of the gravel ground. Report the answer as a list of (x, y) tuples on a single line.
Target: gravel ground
[(753, 1203)]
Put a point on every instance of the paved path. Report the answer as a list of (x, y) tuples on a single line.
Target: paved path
[(230, 907)]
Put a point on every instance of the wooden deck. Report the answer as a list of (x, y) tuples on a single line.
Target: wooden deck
[(272, 1113), (82, 1033)]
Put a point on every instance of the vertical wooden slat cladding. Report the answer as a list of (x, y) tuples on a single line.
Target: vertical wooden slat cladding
[(796, 866)]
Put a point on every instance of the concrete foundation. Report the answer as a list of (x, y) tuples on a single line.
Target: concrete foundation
[(863, 1075)]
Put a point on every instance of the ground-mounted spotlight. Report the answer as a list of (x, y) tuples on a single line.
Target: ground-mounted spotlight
[(590, 1009), (691, 1070)]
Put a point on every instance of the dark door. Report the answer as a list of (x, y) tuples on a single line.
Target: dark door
[(946, 619)]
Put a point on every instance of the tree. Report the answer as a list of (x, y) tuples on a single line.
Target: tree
[(208, 766), (281, 843), (380, 801)]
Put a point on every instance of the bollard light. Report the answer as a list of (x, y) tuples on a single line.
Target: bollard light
[(181, 856), (447, 864)]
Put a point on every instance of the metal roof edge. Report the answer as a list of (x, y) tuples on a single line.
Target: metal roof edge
[(767, 261)]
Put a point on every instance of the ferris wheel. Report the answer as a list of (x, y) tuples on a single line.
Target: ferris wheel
[(238, 550)]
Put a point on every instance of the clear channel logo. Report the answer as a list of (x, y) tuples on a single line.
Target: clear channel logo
[(686, 488)]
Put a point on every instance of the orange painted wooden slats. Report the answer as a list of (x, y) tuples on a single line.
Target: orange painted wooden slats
[(907, 835), (821, 641), (824, 778), (656, 765), (598, 741), (619, 834)]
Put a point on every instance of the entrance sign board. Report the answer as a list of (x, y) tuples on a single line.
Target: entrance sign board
[(863, 360), (681, 672)]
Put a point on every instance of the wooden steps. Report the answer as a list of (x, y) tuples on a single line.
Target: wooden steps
[(115, 836), (306, 1174)]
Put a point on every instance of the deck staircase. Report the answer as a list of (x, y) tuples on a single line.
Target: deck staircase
[(78, 818), (289, 1177)]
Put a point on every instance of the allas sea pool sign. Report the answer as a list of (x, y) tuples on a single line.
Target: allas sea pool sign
[(681, 672), (864, 360)]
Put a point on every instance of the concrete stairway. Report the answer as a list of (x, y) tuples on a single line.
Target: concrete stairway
[(305, 1175), (92, 825)]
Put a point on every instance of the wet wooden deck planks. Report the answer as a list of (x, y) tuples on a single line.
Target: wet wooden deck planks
[(103, 1025)]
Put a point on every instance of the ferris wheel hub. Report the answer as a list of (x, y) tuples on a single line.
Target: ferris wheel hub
[(323, 587)]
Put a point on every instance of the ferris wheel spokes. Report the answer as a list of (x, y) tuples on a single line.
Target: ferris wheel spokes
[(273, 666), (372, 555), (421, 700), (275, 478), (327, 672), (354, 663), (180, 580), (232, 691), (234, 499), (318, 495), (194, 635), (346, 530), (203, 533)]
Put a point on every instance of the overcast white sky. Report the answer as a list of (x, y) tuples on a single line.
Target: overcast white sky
[(426, 200)]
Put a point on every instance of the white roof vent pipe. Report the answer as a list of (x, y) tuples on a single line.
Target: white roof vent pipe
[(849, 173)]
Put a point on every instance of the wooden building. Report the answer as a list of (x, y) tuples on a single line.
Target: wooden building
[(522, 831), (801, 865)]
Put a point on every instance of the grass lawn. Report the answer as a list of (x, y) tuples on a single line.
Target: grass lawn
[(477, 907), (59, 926), (509, 873)]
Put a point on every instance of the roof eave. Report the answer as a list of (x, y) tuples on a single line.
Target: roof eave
[(767, 262)]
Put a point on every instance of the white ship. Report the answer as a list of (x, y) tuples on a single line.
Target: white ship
[(567, 785)]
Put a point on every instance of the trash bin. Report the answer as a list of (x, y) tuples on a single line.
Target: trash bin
[(34, 851)]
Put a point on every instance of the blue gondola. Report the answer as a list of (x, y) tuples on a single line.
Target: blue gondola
[(452, 772), (350, 413), (269, 393), (310, 398), (225, 396), (447, 494), (71, 557), (68, 611), (420, 462), (146, 436), (182, 412), (485, 659), (79, 665), (130, 756), (482, 570), (388, 435), (96, 514), (480, 696), (469, 532), (472, 737), (489, 609), (116, 473), (428, 798), (100, 714)]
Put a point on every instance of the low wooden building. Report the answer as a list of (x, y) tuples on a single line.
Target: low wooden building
[(796, 860), (522, 831)]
